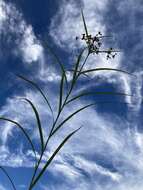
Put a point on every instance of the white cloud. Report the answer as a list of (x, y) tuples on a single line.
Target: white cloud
[(24, 43), (2, 13), (70, 25), (47, 72), (106, 135), (16, 32), (122, 148), (23, 111), (30, 47), (90, 167), (6, 132), (111, 143), (67, 24), (2, 187), (15, 160), (13, 23)]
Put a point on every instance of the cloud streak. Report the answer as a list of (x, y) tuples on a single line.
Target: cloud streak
[(112, 158)]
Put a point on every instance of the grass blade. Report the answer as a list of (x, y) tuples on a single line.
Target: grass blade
[(24, 132), (38, 122), (69, 117), (75, 75), (105, 69), (61, 92), (53, 156), (83, 64), (11, 181), (97, 93), (76, 67), (41, 92), (86, 75), (83, 19), (57, 60), (79, 110)]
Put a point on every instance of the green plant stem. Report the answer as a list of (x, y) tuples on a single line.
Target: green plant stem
[(75, 78), (42, 153), (50, 135), (36, 168), (83, 64), (76, 74), (53, 156)]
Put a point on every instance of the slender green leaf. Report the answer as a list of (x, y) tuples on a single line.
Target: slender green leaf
[(11, 181), (105, 69), (86, 75), (97, 93), (102, 69), (39, 89), (79, 110), (87, 35), (57, 60), (38, 122), (61, 91), (53, 156), (75, 76), (69, 117), (83, 19), (83, 64), (24, 132), (76, 67)]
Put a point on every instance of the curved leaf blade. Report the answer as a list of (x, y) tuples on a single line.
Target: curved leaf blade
[(38, 122), (53, 156), (82, 66), (106, 69), (97, 93), (69, 117), (83, 19), (79, 110), (6, 173), (76, 67), (61, 92), (75, 75), (57, 60), (39, 89), (24, 132)]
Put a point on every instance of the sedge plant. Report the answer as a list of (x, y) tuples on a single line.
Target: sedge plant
[(93, 46)]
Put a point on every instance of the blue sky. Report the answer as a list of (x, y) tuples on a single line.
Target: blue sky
[(107, 153)]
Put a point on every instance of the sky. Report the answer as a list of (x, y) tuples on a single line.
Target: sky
[(107, 153)]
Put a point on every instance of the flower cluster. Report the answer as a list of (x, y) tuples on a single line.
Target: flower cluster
[(94, 44)]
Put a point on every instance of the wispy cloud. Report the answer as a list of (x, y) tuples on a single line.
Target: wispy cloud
[(20, 33), (30, 47), (70, 25), (18, 38), (2, 187), (122, 149), (107, 152)]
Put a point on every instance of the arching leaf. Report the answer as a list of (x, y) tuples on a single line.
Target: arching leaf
[(24, 132), (38, 122), (53, 156), (6, 173), (39, 89), (96, 93)]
